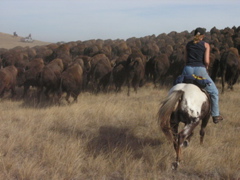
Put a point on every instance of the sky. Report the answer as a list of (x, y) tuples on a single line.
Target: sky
[(74, 20)]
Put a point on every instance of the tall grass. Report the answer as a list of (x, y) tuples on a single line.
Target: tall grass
[(112, 137)]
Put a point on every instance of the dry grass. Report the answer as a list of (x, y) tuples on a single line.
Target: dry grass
[(112, 137)]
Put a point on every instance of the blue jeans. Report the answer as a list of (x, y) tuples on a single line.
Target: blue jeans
[(212, 89)]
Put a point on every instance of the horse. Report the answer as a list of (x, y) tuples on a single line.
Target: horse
[(188, 104)]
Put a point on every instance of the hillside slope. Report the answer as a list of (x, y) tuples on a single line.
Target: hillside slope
[(8, 41)]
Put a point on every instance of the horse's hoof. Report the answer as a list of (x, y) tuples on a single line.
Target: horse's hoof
[(175, 165)]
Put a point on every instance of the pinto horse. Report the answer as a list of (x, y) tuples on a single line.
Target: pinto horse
[(185, 103)]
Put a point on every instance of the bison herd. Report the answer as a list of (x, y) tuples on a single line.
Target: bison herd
[(98, 65)]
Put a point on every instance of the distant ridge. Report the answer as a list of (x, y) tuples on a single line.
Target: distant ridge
[(8, 41)]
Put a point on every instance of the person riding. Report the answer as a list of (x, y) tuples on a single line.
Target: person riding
[(197, 56)]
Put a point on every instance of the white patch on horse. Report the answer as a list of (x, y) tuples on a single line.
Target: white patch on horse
[(193, 96), (188, 127)]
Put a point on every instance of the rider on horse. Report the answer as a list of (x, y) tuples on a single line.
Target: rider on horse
[(197, 57)]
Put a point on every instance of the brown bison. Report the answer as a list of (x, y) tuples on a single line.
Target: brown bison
[(161, 65), (119, 72), (77, 50), (177, 62), (85, 62), (101, 72), (16, 57), (72, 81), (150, 50), (213, 69), (8, 77), (229, 67), (91, 50), (135, 70), (50, 77), (45, 52), (29, 77)]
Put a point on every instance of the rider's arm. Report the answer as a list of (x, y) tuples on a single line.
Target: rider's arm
[(207, 55), (185, 55)]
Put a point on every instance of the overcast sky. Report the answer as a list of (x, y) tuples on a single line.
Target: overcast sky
[(73, 20)]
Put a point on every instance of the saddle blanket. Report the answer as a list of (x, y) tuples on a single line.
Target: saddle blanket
[(193, 79)]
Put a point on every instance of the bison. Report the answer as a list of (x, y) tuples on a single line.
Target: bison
[(213, 69), (85, 62), (119, 72), (161, 65), (177, 62), (229, 67), (8, 77), (100, 71), (72, 81), (29, 77), (50, 77), (16, 57), (135, 71)]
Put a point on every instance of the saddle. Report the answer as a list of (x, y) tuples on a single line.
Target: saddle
[(196, 80), (193, 79)]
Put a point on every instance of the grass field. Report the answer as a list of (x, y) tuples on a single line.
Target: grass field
[(112, 137)]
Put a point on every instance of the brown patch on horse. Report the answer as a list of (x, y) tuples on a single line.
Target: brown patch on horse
[(169, 105)]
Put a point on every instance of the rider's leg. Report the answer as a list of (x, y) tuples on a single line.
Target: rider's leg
[(213, 91)]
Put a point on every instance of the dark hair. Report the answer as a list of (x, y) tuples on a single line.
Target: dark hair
[(199, 31)]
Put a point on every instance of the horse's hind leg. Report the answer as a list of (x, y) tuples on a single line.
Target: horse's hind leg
[(178, 151), (182, 136), (187, 141), (202, 130), (174, 127), (187, 132), (202, 133)]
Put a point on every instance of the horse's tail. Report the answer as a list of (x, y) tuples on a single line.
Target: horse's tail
[(169, 105)]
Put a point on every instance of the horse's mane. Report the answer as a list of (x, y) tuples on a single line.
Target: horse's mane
[(168, 106)]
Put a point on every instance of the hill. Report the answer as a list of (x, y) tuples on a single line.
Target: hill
[(8, 41)]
